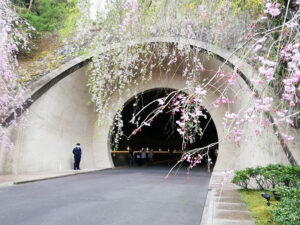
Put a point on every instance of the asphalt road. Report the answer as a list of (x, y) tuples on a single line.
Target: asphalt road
[(131, 196)]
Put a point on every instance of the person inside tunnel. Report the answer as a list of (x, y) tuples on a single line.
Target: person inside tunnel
[(161, 136)]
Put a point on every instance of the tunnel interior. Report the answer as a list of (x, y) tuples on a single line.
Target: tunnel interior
[(161, 136)]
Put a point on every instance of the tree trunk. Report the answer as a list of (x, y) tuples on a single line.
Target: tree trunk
[(30, 5)]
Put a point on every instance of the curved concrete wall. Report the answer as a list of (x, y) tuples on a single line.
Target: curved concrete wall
[(253, 150), (61, 117), (55, 123)]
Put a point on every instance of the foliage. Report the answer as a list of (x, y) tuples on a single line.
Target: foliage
[(241, 178), (287, 211), (256, 173), (254, 7), (271, 176), (130, 23), (259, 211), (285, 180), (12, 92), (70, 21), (48, 15), (125, 57)]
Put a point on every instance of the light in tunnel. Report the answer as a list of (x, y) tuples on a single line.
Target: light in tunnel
[(162, 135)]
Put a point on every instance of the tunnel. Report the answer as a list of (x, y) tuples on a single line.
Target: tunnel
[(60, 116), (162, 136)]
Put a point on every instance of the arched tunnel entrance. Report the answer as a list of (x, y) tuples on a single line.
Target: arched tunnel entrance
[(162, 136)]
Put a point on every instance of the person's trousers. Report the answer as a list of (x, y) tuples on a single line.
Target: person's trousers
[(143, 161), (131, 161), (76, 162)]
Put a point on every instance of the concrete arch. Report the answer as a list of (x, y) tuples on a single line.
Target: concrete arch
[(44, 153)]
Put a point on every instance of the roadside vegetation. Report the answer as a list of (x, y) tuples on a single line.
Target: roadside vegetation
[(45, 52), (257, 206), (47, 17), (282, 182)]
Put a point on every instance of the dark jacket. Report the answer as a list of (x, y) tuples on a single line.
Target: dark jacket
[(131, 153), (77, 152)]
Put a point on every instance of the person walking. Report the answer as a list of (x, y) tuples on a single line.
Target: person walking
[(131, 157), (143, 156), (77, 156), (150, 156)]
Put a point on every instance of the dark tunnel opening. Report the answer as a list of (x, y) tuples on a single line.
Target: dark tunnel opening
[(161, 136)]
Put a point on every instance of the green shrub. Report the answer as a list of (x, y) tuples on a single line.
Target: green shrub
[(47, 15), (272, 176), (287, 211), (257, 175), (271, 173), (284, 175), (285, 180), (241, 178)]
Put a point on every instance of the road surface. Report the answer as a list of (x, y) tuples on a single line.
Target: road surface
[(123, 196)]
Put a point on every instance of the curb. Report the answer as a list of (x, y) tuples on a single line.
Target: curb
[(56, 176), (6, 184)]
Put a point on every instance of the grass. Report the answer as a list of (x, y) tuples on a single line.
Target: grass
[(258, 207)]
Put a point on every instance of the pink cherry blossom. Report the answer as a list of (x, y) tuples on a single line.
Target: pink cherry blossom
[(256, 81), (161, 101), (267, 72), (180, 124), (263, 105), (287, 138), (231, 78), (200, 91), (272, 9), (147, 124)]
